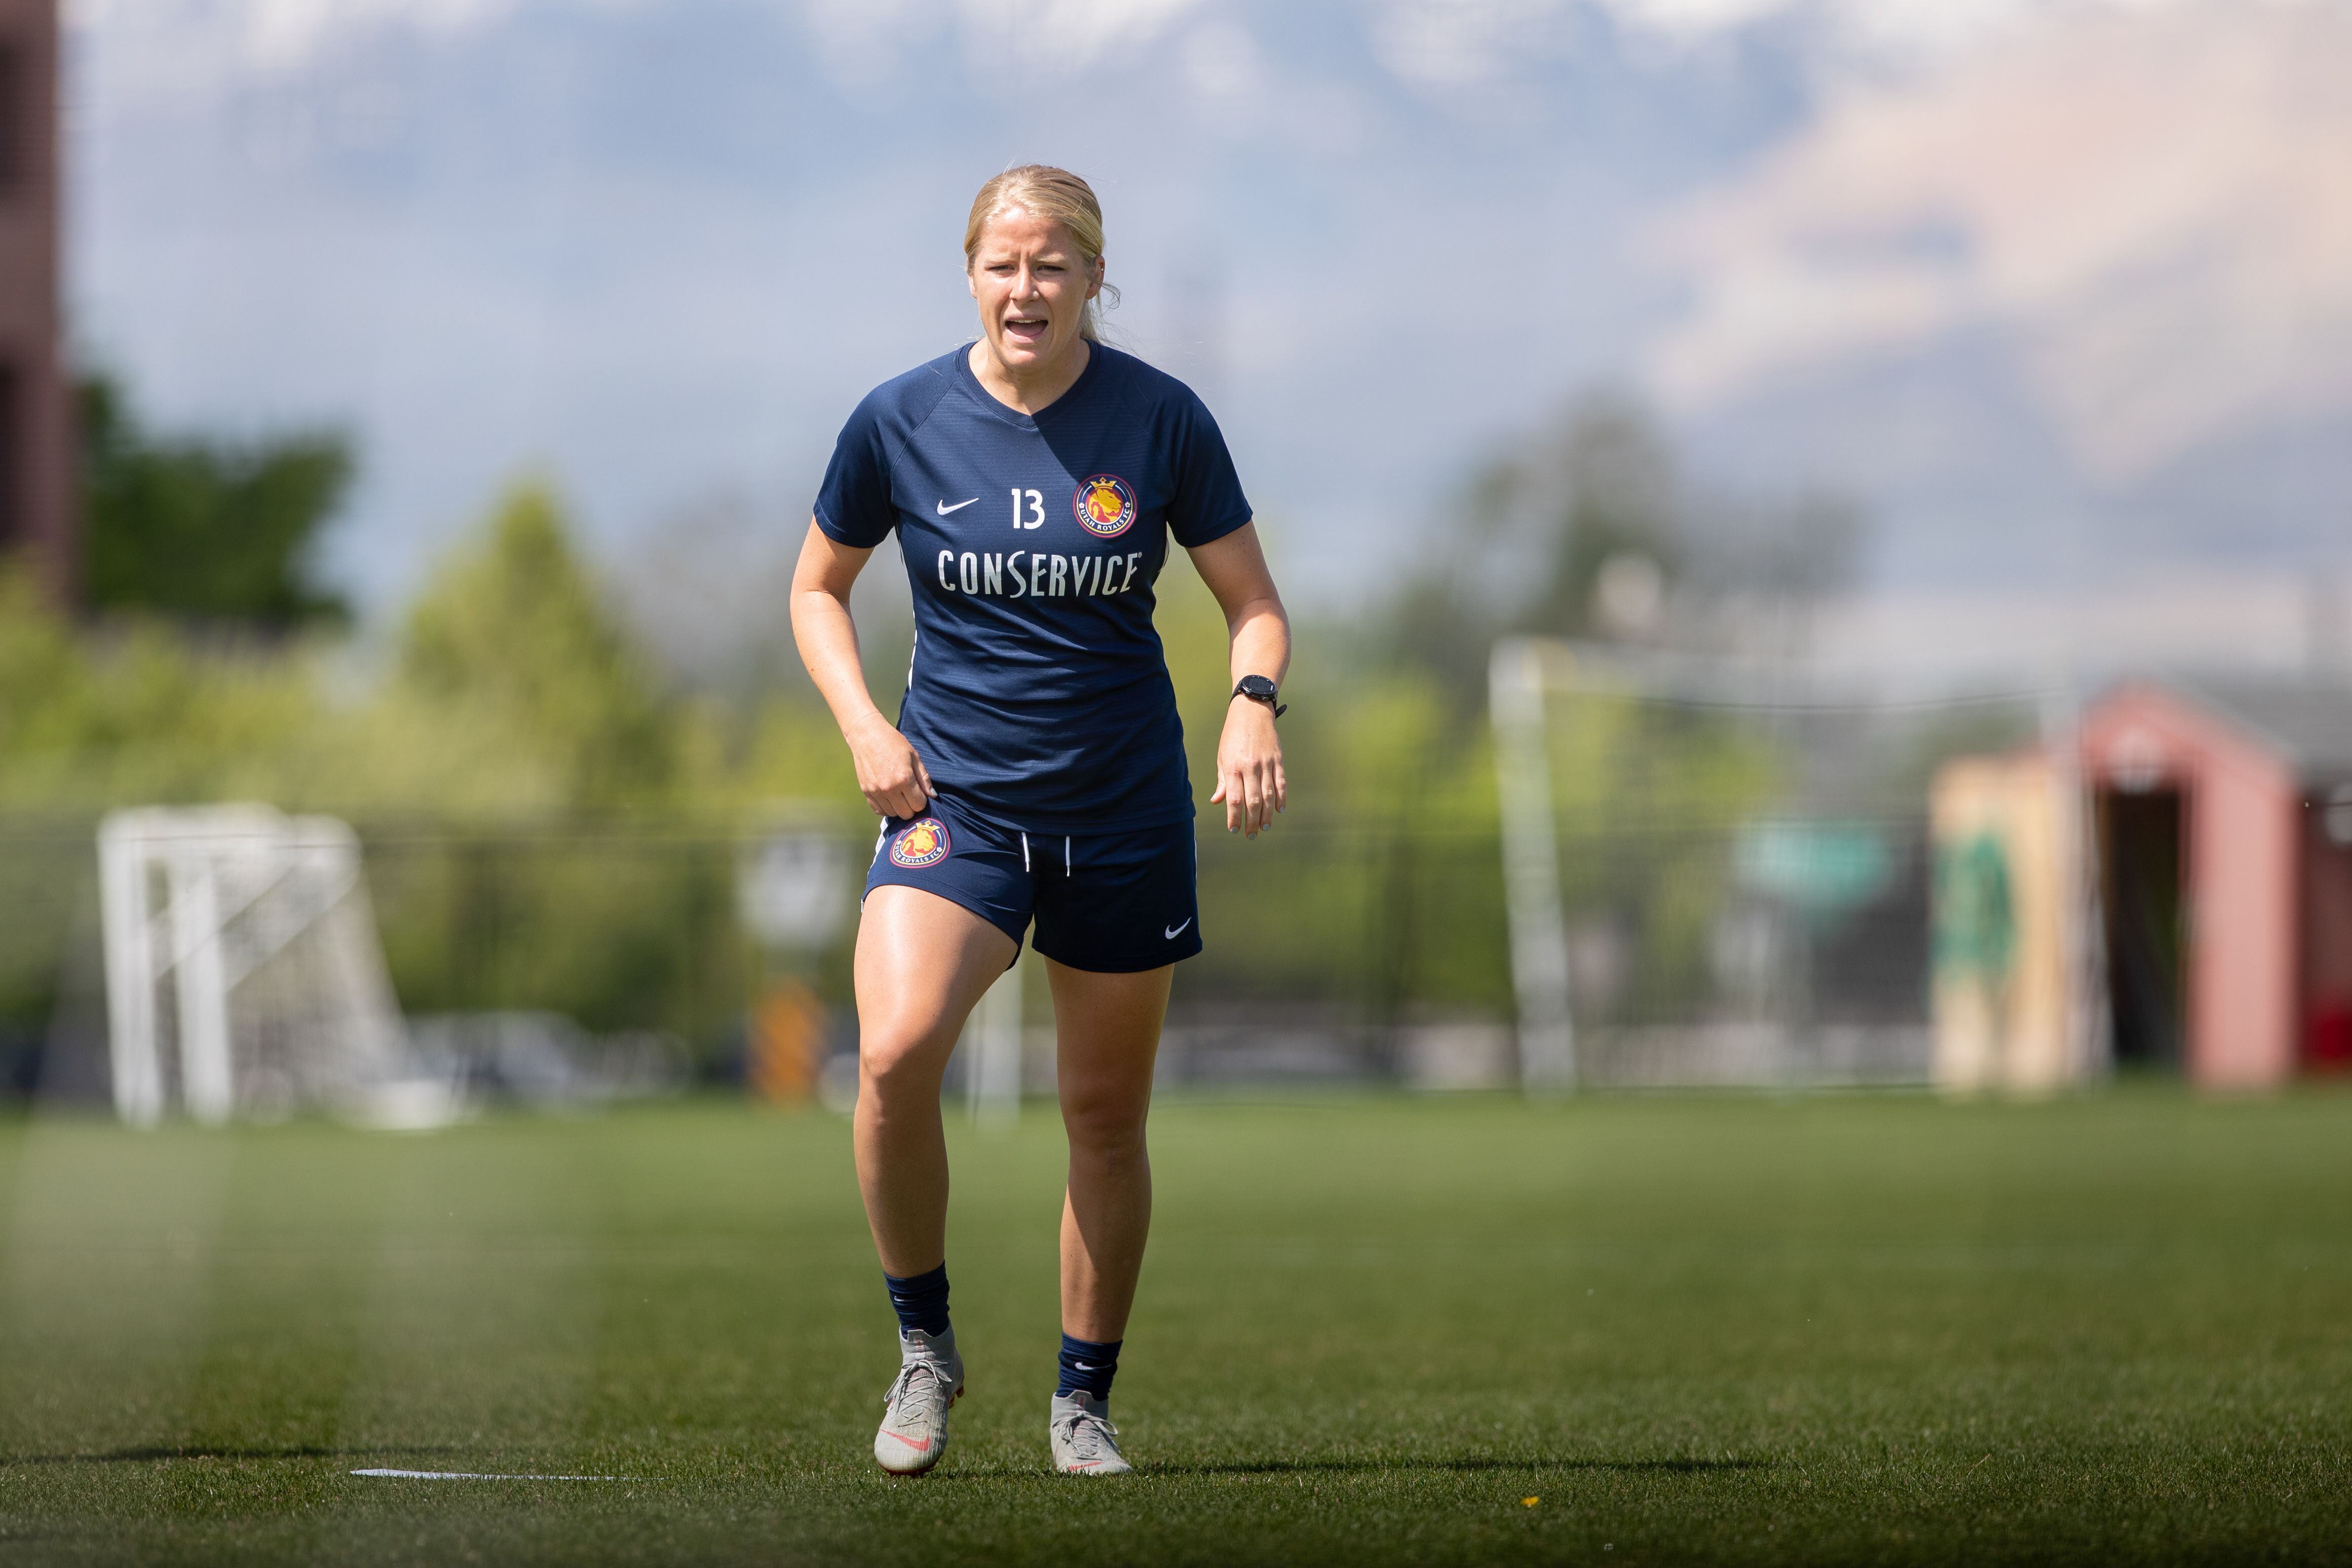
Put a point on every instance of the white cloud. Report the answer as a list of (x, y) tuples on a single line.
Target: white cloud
[(187, 54), (1695, 18), (1071, 33), (1457, 43), (285, 33), (1461, 43), (2153, 210), (1223, 62), (175, 50), (231, 36), (861, 39), (1881, 29), (1472, 44)]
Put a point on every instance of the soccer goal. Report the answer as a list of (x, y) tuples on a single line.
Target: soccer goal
[(1726, 874), (992, 1046), (243, 976)]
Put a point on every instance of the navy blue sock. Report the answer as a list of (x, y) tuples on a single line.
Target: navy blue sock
[(1088, 1366), (922, 1301)]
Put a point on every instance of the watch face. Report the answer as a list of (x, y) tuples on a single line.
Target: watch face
[(1256, 686)]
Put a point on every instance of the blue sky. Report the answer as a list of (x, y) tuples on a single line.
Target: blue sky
[(2020, 277)]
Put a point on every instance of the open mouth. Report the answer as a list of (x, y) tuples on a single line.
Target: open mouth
[(1030, 329)]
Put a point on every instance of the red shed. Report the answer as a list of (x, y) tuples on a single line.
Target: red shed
[(2223, 816)]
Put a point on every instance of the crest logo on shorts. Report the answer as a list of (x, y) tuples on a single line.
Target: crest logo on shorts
[(920, 844), (1105, 506)]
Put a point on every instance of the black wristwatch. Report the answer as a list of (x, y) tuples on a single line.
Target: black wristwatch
[(1258, 689)]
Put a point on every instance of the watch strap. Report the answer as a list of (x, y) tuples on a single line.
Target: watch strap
[(1268, 697)]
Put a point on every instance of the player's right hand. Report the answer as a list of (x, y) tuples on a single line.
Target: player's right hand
[(892, 777)]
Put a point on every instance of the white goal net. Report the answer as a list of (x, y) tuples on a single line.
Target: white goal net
[(244, 974)]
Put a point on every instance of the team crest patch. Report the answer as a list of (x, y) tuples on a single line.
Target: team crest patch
[(1105, 506), (920, 844)]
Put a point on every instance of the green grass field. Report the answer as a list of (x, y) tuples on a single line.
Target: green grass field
[(1864, 1329)]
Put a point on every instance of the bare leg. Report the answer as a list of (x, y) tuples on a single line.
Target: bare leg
[(1107, 1034), (922, 963)]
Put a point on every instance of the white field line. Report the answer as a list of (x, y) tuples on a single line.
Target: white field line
[(470, 1476)]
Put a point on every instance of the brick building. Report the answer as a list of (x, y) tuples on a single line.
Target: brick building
[(36, 446)]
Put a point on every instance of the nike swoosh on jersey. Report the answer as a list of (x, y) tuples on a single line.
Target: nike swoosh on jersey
[(1173, 932), (959, 506)]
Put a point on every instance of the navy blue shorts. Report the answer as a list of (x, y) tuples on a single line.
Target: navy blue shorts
[(1111, 902)]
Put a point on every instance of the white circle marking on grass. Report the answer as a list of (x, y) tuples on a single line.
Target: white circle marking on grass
[(471, 1476)]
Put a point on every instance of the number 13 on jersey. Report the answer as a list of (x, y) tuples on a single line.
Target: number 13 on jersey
[(1028, 509)]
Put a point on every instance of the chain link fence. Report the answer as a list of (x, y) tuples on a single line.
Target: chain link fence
[(1767, 949)]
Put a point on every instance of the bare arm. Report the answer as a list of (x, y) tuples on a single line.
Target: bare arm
[(1250, 783), (889, 773)]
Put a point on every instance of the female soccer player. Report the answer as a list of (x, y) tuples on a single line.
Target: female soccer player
[(1036, 770)]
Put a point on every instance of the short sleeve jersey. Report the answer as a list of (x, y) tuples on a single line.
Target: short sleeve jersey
[(1039, 694)]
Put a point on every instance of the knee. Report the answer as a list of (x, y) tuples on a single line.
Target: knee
[(896, 1068), (1105, 1126)]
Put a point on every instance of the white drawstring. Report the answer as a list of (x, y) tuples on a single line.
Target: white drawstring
[(1066, 854)]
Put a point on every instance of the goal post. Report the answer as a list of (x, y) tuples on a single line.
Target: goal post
[(1726, 873), (992, 1039), (244, 975), (1531, 888)]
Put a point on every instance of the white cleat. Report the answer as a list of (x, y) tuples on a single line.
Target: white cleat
[(915, 1413), (1085, 1442)]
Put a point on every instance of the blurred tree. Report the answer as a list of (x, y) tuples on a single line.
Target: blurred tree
[(514, 641), (211, 530), (1633, 553), (1598, 495), (142, 714), (516, 702), (1587, 530)]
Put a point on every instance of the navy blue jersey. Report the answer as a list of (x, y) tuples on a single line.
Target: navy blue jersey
[(1039, 694)]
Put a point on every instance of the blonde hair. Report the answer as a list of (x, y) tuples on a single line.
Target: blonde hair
[(1058, 196)]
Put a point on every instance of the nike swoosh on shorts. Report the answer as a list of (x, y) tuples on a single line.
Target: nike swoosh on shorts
[(1173, 932), (959, 506)]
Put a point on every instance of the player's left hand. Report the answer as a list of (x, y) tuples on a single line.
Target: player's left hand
[(1249, 768)]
